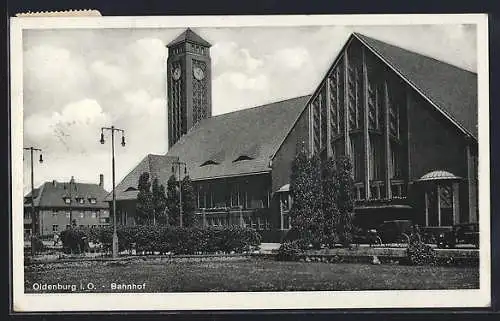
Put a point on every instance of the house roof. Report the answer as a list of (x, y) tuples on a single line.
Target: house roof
[(52, 194), (237, 143), (451, 89), (158, 166), (189, 36), (222, 146)]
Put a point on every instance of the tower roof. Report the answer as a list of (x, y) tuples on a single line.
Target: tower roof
[(189, 36)]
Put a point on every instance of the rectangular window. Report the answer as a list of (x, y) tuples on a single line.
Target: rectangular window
[(395, 161), (82, 214), (94, 214), (235, 195), (55, 228)]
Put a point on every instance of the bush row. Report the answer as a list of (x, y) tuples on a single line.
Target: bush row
[(164, 239)]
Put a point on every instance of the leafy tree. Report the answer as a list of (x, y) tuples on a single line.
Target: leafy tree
[(188, 202), (316, 226), (330, 209), (159, 202), (305, 188), (344, 187), (172, 201), (144, 205)]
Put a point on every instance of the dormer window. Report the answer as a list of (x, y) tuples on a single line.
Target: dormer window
[(209, 162), (80, 200), (242, 158), (92, 200), (67, 200)]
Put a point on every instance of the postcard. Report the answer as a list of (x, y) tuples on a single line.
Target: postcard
[(250, 162)]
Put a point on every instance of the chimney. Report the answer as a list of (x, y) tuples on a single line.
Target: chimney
[(54, 183), (101, 180), (72, 181)]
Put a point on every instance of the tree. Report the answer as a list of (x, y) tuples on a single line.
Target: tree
[(144, 205), (188, 202), (159, 203), (316, 226), (172, 201), (329, 202), (306, 190), (344, 191)]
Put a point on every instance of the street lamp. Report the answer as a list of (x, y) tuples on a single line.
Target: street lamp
[(33, 220), (174, 166), (113, 129)]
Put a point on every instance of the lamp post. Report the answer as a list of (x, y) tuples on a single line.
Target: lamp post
[(113, 129), (33, 218), (174, 166)]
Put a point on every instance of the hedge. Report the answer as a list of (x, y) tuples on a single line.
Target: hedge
[(164, 239)]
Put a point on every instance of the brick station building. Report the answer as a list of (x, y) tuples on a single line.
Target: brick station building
[(408, 122)]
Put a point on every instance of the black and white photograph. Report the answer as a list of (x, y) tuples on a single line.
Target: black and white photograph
[(250, 162)]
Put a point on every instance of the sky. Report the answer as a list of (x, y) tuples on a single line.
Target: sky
[(76, 81)]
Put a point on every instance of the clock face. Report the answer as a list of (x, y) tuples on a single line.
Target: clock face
[(198, 73), (177, 73)]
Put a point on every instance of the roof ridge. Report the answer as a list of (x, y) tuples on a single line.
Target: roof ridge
[(260, 106), (357, 34)]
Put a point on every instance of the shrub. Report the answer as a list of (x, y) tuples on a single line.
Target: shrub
[(38, 244), (419, 253), (289, 251), (74, 240), (164, 239)]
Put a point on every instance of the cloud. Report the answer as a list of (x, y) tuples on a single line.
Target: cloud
[(62, 131), (112, 77), (293, 58), (231, 56), (52, 77)]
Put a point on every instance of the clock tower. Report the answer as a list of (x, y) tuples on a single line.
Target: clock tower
[(189, 84)]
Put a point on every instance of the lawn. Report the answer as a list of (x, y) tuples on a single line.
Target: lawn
[(249, 274)]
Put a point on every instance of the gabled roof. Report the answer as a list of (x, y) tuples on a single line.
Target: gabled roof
[(451, 89), (251, 135), (158, 166), (189, 36), (51, 194)]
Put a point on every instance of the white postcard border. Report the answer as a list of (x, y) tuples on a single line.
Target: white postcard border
[(245, 300)]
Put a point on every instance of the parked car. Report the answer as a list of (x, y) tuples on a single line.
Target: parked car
[(467, 233), (395, 231), (366, 236)]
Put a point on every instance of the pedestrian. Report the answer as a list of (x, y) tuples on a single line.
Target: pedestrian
[(56, 238)]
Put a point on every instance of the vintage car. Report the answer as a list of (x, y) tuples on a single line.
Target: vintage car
[(366, 236), (467, 233), (395, 231)]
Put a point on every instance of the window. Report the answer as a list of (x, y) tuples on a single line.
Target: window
[(94, 214), (209, 162), (54, 213), (81, 200), (82, 214), (375, 162), (242, 158), (92, 200), (67, 200), (235, 200), (395, 161), (55, 228)]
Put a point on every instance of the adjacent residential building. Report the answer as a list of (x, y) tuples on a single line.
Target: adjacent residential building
[(57, 203), (408, 123)]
